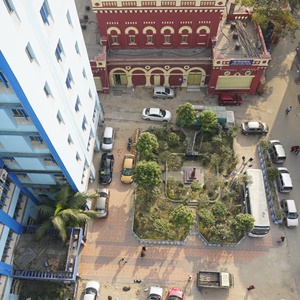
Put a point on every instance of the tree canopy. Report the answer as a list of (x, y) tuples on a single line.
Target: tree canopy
[(208, 120), (147, 174), (62, 212), (186, 114), (147, 143), (182, 215), (276, 12)]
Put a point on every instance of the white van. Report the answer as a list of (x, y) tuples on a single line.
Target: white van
[(230, 119), (108, 139), (291, 214), (277, 152), (284, 181)]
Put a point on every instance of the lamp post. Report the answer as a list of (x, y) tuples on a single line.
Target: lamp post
[(245, 163)]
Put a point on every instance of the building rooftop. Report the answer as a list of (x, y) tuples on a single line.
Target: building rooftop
[(238, 39), (89, 26)]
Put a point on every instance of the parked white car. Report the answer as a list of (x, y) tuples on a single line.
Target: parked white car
[(155, 293), (91, 291), (156, 114)]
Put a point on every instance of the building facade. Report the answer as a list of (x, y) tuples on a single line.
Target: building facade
[(170, 43), (49, 113)]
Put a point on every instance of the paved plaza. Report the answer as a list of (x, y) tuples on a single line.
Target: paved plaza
[(257, 261)]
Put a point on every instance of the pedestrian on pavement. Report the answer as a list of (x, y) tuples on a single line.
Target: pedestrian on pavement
[(251, 287), (288, 109), (297, 150), (293, 148), (144, 248), (121, 260), (143, 253), (282, 238), (190, 278)]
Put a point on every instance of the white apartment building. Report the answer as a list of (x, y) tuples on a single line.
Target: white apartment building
[(49, 113)]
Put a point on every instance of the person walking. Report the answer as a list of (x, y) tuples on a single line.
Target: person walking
[(251, 287), (143, 253), (190, 278), (121, 260), (297, 150), (288, 109), (144, 248), (293, 148), (282, 238)]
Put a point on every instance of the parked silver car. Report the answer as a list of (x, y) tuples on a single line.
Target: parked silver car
[(156, 114), (163, 92)]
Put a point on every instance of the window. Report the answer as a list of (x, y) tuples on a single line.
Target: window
[(184, 39), (47, 90), (77, 157), (69, 19), (19, 113), (77, 48), (84, 123), (9, 5), (69, 79), (36, 138), (131, 39), (3, 79), (167, 39), (90, 93), (70, 141), (149, 39), (83, 73), (58, 51), (45, 12), (29, 52), (78, 103), (114, 40), (90, 137), (49, 161), (59, 117)]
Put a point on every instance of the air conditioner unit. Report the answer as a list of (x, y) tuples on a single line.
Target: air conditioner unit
[(3, 175)]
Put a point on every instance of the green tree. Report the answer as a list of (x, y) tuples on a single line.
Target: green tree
[(196, 186), (208, 120), (147, 174), (63, 212), (243, 223), (274, 12), (206, 218), (173, 139), (219, 209), (162, 227), (146, 144), (272, 173), (182, 216), (186, 114), (203, 200), (220, 232)]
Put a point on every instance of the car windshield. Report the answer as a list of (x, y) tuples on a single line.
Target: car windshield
[(292, 216), (102, 194), (167, 90), (105, 171), (162, 112), (154, 297), (127, 172), (174, 298), (90, 291), (107, 140)]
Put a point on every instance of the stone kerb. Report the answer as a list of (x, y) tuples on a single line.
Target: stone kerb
[(267, 187)]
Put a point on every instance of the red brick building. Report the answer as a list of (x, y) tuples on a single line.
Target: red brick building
[(175, 43)]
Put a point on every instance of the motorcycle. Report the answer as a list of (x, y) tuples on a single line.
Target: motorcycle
[(129, 144)]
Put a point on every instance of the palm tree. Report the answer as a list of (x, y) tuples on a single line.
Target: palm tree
[(63, 212)]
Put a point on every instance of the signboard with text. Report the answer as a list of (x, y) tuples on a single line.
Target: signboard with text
[(244, 62)]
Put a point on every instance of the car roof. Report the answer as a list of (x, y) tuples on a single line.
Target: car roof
[(108, 132), (159, 89), (156, 290), (100, 204), (291, 205), (253, 125), (154, 111)]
